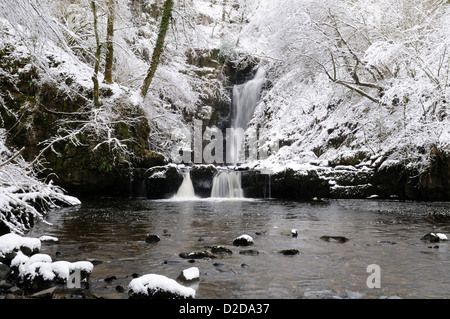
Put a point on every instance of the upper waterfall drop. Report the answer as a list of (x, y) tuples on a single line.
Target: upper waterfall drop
[(245, 99)]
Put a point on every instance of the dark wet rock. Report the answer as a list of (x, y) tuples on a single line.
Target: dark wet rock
[(249, 252), (220, 250), (338, 239), (166, 233), (152, 239), (245, 266), (193, 255), (244, 240), (110, 279), (289, 252), (134, 275), (5, 271), (294, 233), (15, 290), (201, 239), (120, 288), (5, 286), (218, 265), (434, 237), (434, 247)]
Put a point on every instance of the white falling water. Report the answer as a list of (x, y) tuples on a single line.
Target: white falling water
[(186, 190), (245, 99), (227, 185)]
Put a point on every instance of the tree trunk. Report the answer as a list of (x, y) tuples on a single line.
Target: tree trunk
[(110, 42), (159, 47), (97, 55), (155, 9)]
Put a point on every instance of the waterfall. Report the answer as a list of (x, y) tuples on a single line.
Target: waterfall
[(227, 185), (245, 99), (186, 190)]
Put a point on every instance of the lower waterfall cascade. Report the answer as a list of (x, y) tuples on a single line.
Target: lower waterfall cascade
[(227, 185), (186, 189)]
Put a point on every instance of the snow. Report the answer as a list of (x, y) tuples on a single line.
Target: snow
[(48, 238), (245, 237), (191, 273), (440, 235), (143, 284), (11, 242)]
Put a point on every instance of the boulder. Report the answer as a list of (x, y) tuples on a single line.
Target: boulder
[(243, 240)]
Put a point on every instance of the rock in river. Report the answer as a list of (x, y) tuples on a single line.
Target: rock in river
[(154, 286), (434, 237), (244, 240)]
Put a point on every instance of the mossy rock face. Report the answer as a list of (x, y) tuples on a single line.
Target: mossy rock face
[(202, 179), (162, 182), (435, 183), (33, 112), (303, 185)]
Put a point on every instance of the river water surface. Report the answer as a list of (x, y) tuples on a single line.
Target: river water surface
[(111, 233)]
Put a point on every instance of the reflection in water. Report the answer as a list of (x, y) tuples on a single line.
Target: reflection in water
[(112, 232)]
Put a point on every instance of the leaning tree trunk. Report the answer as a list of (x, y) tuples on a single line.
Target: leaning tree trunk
[(109, 42), (159, 47)]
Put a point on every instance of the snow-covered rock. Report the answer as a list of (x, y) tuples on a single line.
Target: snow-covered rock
[(12, 243), (153, 286), (434, 237), (39, 271), (189, 275), (243, 240)]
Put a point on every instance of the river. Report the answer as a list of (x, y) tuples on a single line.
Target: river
[(111, 233)]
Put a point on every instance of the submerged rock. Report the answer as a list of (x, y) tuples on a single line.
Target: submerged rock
[(249, 252), (338, 239), (221, 250), (152, 239), (290, 252)]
